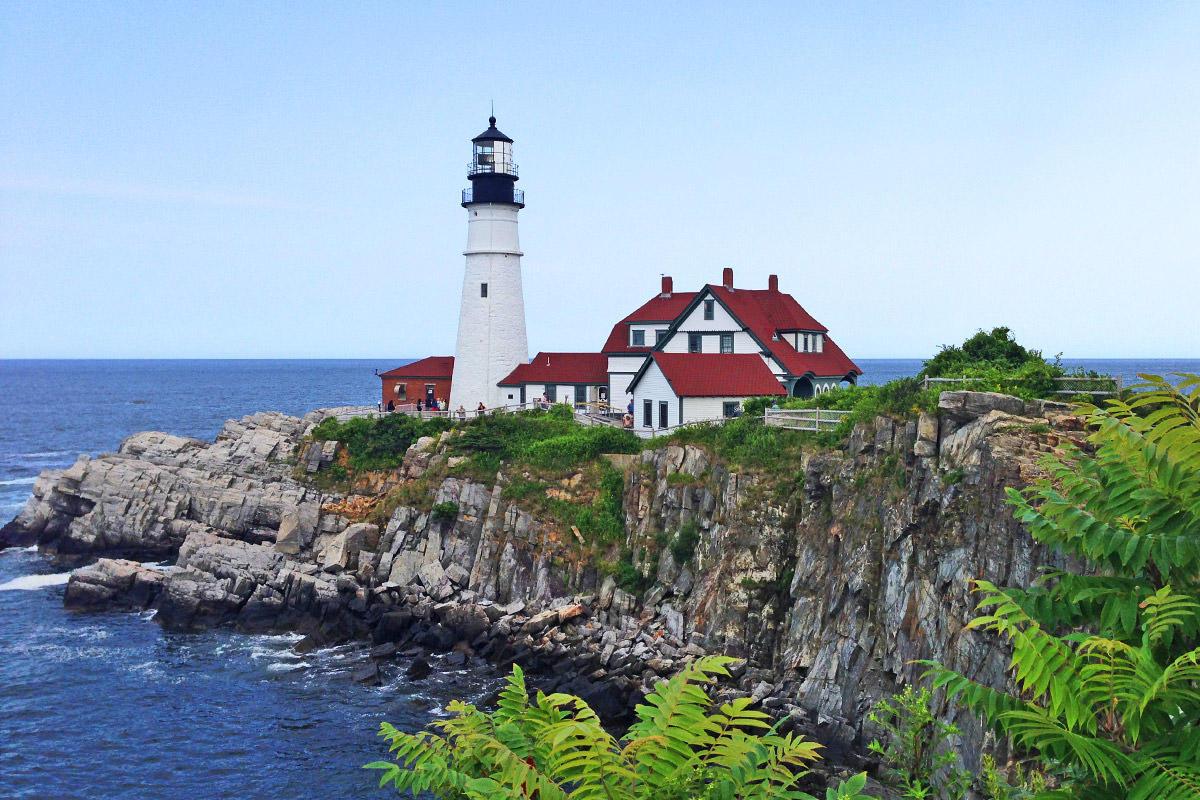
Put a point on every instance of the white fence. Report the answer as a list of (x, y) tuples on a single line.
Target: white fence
[(803, 419)]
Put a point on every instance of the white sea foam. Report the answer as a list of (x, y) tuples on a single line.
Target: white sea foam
[(35, 581), (280, 666), (46, 454), (19, 481)]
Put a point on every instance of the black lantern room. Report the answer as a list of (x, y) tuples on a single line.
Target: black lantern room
[(492, 173)]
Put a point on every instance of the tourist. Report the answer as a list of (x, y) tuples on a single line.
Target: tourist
[(481, 410), (391, 405), (419, 408), (545, 401), (462, 412)]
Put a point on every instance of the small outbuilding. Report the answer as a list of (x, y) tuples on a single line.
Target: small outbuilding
[(426, 380)]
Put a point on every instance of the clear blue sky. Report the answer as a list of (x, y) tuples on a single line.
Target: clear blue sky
[(252, 179)]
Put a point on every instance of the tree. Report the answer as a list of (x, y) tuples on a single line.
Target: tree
[(553, 747), (1107, 662), (996, 348)]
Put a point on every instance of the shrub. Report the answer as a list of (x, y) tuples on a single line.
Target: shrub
[(445, 512), (380, 442), (683, 543), (916, 754)]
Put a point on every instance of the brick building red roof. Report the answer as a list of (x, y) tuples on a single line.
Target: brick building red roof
[(590, 368), (716, 374), (431, 367)]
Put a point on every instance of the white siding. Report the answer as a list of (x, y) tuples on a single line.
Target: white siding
[(630, 363), (698, 409), (711, 343), (654, 387), (721, 321)]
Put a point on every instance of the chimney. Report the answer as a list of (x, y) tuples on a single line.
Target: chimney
[(667, 286), (727, 277), (773, 283)]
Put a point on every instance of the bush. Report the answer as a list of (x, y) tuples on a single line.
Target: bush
[(445, 512), (380, 442), (683, 544)]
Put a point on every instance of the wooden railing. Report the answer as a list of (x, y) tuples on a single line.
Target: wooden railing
[(803, 419)]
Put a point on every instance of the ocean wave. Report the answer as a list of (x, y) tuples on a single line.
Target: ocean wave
[(46, 454), (26, 582), (19, 481)]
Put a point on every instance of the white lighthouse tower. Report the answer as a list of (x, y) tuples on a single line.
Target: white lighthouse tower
[(491, 322)]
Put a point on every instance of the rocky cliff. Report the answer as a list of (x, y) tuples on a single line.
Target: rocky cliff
[(826, 581)]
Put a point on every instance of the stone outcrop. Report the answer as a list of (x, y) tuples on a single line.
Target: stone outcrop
[(826, 583)]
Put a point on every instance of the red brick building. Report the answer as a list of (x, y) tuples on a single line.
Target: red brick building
[(423, 380)]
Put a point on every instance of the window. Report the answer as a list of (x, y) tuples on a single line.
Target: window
[(639, 338), (580, 394), (401, 391), (659, 335), (729, 409), (552, 393), (483, 290), (647, 414), (804, 342), (663, 421), (708, 308), (695, 343), (726, 342)]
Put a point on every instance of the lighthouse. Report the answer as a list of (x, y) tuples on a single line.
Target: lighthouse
[(491, 320)]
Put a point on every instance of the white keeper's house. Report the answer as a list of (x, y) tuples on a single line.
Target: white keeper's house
[(680, 357)]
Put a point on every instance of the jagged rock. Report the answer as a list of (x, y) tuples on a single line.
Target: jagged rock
[(419, 669), (113, 583)]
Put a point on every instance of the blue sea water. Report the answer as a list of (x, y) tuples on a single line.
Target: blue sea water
[(110, 705)]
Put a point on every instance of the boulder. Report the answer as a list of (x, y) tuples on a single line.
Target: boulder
[(342, 552), (113, 583)]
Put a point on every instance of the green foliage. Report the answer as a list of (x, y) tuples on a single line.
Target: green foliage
[(995, 349), (379, 442), (544, 439), (553, 747), (901, 397), (919, 761), (1016, 786), (628, 576), (1039, 427), (683, 543), (444, 512), (743, 441), (1112, 704)]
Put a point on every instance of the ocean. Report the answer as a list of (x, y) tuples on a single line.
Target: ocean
[(110, 705)]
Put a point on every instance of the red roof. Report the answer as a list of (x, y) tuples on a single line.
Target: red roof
[(765, 311), (718, 374), (828, 364), (431, 367), (662, 308), (590, 368)]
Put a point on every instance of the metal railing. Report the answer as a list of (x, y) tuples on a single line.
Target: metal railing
[(803, 419), (518, 196), (1117, 384), (507, 168)]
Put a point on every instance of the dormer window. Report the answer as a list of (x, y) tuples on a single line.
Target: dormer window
[(638, 338), (708, 308)]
